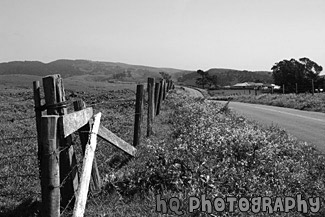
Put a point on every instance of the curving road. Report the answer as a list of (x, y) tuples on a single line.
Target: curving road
[(304, 125), (190, 92)]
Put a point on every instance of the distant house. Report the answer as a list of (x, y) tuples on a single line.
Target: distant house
[(248, 85), (269, 86)]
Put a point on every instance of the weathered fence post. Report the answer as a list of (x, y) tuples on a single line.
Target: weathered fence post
[(164, 90), (96, 183), (157, 92), (50, 181), (54, 99), (160, 96), (80, 203), (312, 86), (138, 115), (151, 105)]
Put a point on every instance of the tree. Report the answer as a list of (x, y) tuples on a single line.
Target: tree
[(204, 78), (292, 72), (165, 76)]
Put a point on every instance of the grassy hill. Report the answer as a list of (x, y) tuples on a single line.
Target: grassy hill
[(91, 73), (228, 76), (80, 74), (68, 68)]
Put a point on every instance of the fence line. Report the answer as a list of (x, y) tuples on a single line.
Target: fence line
[(62, 147)]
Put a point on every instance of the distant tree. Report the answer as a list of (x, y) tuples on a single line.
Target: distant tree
[(165, 76), (292, 72), (204, 80), (214, 80)]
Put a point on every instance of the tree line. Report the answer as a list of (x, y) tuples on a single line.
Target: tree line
[(296, 76)]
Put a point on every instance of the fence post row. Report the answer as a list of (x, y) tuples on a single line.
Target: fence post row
[(57, 160)]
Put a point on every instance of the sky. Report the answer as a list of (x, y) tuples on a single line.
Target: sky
[(183, 34)]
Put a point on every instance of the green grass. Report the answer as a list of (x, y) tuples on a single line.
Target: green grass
[(198, 147)]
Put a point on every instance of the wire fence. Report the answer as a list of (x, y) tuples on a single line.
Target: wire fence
[(19, 163)]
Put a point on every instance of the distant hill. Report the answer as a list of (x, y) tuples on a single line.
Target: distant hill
[(89, 72), (107, 71), (228, 76)]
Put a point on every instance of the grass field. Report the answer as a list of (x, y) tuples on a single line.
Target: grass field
[(198, 147)]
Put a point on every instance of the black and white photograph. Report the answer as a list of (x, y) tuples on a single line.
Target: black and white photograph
[(140, 108)]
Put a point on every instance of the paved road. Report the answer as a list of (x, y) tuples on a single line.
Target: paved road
[(191, 92), (306, 126)]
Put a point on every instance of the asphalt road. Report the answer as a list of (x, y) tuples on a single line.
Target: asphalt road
[(304, 125), (191, 92)]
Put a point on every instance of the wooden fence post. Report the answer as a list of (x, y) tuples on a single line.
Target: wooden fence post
[(54, 99), (138, 115), (160, 96), (50, 181), (151, 105), (96, 183), (80, 203), (164, 89), (157, 92), (312, 86)]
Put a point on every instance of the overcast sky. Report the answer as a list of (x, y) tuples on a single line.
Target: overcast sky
[(184, 34)]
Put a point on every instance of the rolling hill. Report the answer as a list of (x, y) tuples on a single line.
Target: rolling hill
[(101, 73), (70, 68)]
